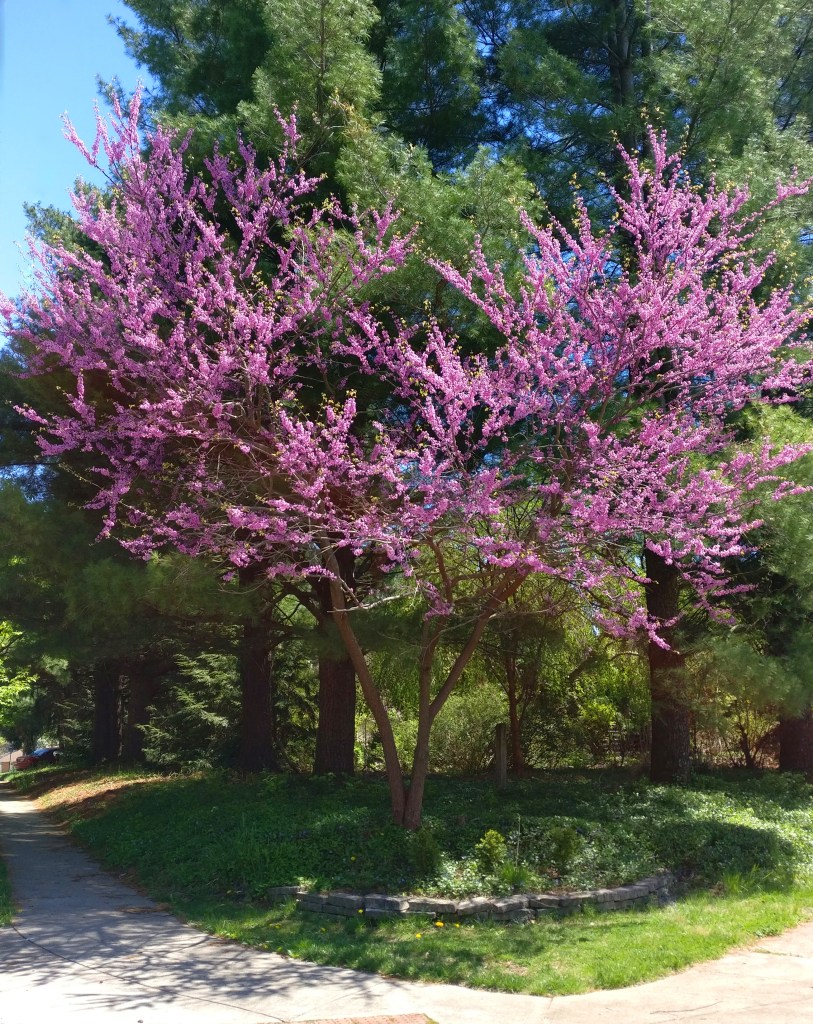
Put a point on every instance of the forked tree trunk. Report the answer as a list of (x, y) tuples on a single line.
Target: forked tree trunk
[(796, 743), (407, 800), (671, 758)]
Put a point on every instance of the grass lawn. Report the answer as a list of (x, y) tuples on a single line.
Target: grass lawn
[(211, 847), (6, 905)]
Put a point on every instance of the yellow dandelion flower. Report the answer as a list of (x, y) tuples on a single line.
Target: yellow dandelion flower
[(418, 935), (439, 924)]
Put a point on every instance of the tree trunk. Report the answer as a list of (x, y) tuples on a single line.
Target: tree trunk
[(515, 725), (336, 731), (621, 65), (336, 727), (142, 690), (796, 743), (745, 747), (257, 752), (143, 681), (671, 720), (420, 769), (105, 741)]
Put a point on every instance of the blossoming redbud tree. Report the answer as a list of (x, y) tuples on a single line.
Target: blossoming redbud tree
[(220, 351)]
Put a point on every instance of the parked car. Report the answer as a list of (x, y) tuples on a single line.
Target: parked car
[(42, 755)]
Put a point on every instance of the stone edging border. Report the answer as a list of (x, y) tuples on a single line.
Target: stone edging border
[(518, 909)]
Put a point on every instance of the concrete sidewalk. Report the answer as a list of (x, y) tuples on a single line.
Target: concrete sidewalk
[(85, 948)]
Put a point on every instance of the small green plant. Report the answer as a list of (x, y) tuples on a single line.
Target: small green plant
[(491, 852), (516, 876), (566, 844)]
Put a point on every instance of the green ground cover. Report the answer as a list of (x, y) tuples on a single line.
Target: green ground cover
[(211, 847), (6, 905)]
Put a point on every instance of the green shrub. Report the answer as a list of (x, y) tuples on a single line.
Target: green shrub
[(491, 852), (565, 845), (463, 733)]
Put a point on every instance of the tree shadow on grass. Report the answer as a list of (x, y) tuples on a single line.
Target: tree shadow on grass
[(715, 851)]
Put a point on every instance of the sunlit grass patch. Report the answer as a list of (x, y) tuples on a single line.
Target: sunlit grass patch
[(549, 957)]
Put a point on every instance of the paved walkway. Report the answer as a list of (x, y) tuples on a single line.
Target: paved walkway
[(85, 948)]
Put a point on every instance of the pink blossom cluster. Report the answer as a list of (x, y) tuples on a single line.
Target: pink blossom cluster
[(234, 392)]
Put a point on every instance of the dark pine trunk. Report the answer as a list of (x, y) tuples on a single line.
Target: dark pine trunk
[(796, 743), (671, 719), (256, 662), (336, 732), (143, 680), (257, 752), (336, 729), (105, 741)]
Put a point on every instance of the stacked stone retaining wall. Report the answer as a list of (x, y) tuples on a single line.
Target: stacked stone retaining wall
[(518, 908)]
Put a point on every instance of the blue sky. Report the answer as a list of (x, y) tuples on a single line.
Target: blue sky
[(50, 54)]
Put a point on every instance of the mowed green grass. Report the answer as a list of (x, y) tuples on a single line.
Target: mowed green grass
[(575, 954), (211, 847)]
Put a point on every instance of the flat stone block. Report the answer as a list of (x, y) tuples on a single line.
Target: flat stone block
[(543, 902), (390, 904), (381, 913), (347, 900), (570, 902), (604, 895), (311, 901), (333, 910), (507, 904), (475, 905), (285, 891), (584, 897), (430, 905), (515, 916)]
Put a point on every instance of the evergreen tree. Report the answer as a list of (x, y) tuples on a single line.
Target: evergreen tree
[(430, 90)]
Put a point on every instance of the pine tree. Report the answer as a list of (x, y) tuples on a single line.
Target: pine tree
[(430, 91)]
